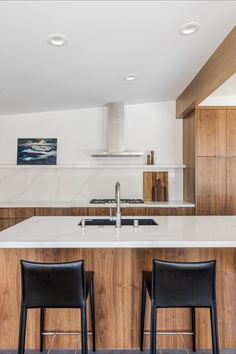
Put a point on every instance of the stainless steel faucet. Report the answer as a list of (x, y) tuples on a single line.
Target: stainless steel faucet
[(118, 213)]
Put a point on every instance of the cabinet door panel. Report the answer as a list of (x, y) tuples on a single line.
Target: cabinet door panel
[(211, 185), (231, 186), (211, 132), (231, 132)]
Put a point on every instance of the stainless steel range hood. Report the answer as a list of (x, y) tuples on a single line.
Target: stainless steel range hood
[(116, 134)]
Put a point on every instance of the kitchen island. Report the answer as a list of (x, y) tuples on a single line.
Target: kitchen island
[(117, 256)]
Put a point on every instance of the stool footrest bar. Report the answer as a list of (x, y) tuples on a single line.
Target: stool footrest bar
[(171, 333), (63, 333)]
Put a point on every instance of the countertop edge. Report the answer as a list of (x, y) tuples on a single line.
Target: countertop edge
[(66, 204), (104, 245)]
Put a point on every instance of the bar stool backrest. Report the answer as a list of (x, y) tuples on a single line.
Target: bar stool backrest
[(46, 285), (176, 284)]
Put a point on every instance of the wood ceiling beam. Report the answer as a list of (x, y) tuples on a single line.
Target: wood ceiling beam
[(219, 68)]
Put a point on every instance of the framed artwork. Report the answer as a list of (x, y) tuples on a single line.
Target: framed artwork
[(40, 151)]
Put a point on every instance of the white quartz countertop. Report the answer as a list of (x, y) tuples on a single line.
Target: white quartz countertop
[(86, 204), (171, 232)]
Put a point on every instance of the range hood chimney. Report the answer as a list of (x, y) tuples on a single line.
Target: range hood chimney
[(116, 133)]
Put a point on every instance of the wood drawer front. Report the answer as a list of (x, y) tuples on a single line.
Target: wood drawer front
[(24, 213), (157, 211), (16, 213), (89, 211), (6, 223), (51, 211)]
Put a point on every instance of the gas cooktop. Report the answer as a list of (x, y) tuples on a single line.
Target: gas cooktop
[(110, 201)]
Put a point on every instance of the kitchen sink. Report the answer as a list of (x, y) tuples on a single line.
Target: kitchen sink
[(124, 222)]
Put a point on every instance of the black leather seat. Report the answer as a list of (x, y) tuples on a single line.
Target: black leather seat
[(179, 285), (56, 285)]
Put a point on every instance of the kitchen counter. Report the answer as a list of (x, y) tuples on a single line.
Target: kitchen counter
[(171, 232), (117, 257), (86, 204)]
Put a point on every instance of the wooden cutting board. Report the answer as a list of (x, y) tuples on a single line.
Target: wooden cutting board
[(155, 186)]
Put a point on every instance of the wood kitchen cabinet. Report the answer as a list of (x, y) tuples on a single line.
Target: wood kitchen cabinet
[(93, 211), (189, 157), (209, 137), (211, 132), (231, 185), (12, 216), (231, 132), (50, 211), (211, 185), (16, 213), (157, 211), (6, 223)]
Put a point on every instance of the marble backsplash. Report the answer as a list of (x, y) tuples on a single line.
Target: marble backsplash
[(78, 184)]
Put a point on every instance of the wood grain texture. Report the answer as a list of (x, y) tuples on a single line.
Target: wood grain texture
[(16, 213), (149, 181), (157, 211), (231, 132), (219, 67), (211, 186), (211, 132), (216, 107), (117, 297), (231, 185), (91, 211), (50, 211), (189, 157), (6, 223)]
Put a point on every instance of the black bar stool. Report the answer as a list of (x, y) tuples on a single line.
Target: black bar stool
[(56, 285), (179, 285)]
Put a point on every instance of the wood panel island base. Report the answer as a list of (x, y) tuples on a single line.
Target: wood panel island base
[(117, 257)]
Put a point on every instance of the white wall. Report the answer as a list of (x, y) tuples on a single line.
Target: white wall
[(219, 101), (154, 126), (79, 132)]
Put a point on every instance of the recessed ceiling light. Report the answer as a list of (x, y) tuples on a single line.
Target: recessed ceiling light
[(189, 28), (130, 77), (57, 39)]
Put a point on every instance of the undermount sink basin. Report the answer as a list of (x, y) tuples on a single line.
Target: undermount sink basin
[(124, 222)]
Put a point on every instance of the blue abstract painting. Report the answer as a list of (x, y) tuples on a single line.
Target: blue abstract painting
[(37, 151)]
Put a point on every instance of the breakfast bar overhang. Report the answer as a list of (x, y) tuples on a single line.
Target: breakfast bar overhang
[(117, 257)]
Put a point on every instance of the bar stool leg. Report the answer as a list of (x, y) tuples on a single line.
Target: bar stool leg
[(153, 330), (42, 315), (22, 330), (92, 313), (193, 328), (84, 330), (214, 330), (143, 308)]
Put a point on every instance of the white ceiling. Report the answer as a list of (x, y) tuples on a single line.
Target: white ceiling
[(106, 41)]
